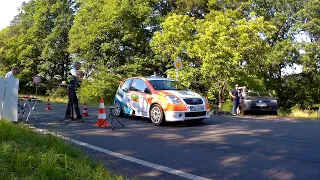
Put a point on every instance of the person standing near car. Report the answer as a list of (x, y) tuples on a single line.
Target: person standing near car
[(11, 74), (242, 95), (74, 77), (235, 98)]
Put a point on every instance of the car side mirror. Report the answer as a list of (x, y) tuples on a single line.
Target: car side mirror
[(125, 89), (146, 90)]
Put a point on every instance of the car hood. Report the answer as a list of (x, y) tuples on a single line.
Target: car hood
[(255, 98), (181, 94)]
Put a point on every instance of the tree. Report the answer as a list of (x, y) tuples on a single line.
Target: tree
[(114, 34), (40, 40), (216, 45)]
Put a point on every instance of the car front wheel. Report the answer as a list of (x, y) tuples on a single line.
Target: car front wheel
[(244, 113), (117, 109), (156, 115)]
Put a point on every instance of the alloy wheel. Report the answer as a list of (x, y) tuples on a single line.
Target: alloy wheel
[(117, 109), (156, 115)]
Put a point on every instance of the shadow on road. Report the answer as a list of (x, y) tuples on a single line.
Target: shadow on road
[(221, 147)]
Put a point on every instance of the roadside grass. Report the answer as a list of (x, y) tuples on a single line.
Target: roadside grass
[(44, 99), (56, 100), (294, 113), (25, 154), (299, 114), (60, 100), (226, 108)]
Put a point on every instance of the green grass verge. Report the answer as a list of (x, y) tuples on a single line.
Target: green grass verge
[(226, 107), (25, 154), (62, 100), (294, 113), (299, 114)]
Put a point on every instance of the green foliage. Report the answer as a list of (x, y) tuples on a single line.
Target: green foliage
[(220, 43), (300, 89), (25, 154), (214, 46), (227, 106), (57, 92), (37, 42), (101, 84), (114, 33)]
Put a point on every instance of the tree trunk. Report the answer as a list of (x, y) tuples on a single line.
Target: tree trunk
[(221, 94), (279, 83)]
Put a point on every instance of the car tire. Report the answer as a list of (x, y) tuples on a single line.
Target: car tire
[(199, 120), (244, 113), (117, 109), (156, 115), (275, 113)]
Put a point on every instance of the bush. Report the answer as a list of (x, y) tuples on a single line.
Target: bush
[(296, 107), (25, 154), (102, 84), (227, 106), (57, 92)]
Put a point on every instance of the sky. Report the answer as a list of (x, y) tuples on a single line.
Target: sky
[(8, 9)]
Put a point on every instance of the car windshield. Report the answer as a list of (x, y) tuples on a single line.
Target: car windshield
[(259, 94), (166, 85)]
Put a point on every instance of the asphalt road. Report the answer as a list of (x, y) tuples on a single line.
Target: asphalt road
[(218, 148)]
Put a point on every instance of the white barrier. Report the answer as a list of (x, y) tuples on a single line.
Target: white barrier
[(9, 88)]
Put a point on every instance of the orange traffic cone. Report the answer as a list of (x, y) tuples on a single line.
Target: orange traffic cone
[(85, 111), (102, 121), (48, 107)]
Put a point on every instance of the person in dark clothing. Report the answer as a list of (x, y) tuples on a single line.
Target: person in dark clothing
[(235, 98), (73, 80)]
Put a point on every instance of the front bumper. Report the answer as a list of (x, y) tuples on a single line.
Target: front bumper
[(172, 116), (254, 107)]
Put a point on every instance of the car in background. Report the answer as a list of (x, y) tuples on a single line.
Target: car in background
[(159, 99), (258, 102)]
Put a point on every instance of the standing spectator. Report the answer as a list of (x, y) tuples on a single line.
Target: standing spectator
[(244, 92), (239, 97), (11, 74), (242, 95), (235, 98), (74, 77)]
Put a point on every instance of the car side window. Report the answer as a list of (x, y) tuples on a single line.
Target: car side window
[(138, 85), (126, 85)]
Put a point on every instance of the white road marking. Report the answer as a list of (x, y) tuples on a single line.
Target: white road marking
[(265, 118), (128, 158)]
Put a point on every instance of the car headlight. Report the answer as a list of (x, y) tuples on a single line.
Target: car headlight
[(173, 100), (274, 101), (247, 101)]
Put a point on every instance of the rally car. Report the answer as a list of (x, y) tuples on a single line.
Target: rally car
[(159, 99)]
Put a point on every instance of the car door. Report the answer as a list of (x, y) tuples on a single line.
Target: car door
[(124, 96), (138, 97)]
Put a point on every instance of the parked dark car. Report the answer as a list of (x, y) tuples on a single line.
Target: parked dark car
[(258, 102)]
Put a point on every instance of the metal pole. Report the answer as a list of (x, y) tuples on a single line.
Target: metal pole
[(4, 94), (177, 77)]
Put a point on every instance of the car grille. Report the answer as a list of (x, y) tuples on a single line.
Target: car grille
[(263, 101), (195, 114), (193, 101)]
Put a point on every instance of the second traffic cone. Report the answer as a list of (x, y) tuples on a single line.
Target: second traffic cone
[(102, 121), (48, 107), (85, 111)]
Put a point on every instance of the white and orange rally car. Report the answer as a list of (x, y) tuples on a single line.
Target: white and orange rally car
[(160, 99)]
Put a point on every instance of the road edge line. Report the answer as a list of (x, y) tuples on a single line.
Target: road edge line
[(125, 157)]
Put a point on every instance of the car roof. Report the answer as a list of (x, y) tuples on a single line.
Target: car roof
[(157, 78), (148, 78)]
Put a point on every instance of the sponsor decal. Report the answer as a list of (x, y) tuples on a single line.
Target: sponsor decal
[(119, 94), (135, 98)]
